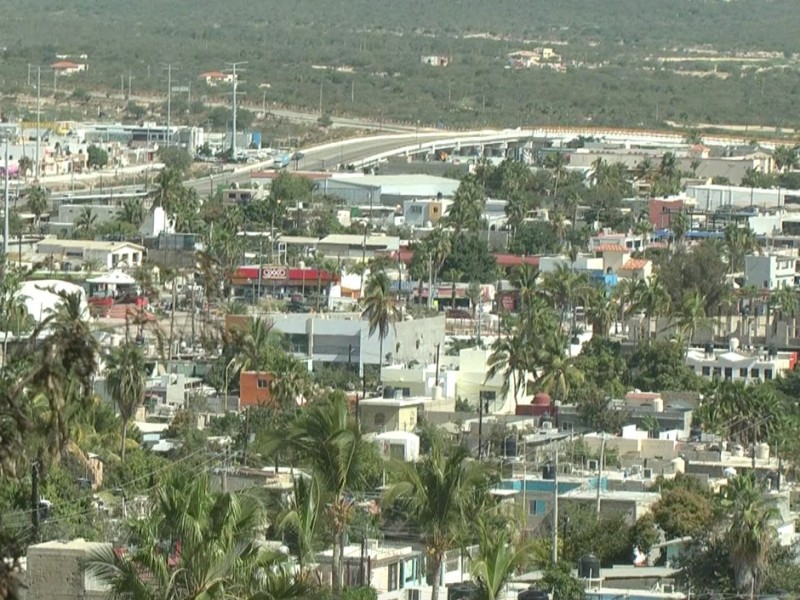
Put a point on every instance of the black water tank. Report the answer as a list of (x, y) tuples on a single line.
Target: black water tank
[(589, 567), (533, 595), (510, 446), (549, 472), (388, 392), (462, 591)]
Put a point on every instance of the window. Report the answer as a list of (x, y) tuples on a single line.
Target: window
[(537, 507), (743, 373), (767, 374), (754, 373), (706, 371), (394, 571), (717, 371), (263, 384), (728, 373)]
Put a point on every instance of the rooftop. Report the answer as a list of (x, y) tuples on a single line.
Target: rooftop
[(396, 402), (90, 244), (634, 264), (585, 493)]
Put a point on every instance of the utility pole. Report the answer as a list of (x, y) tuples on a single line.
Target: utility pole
[(38, 117), (600, 470), (225, 472), (130, 77), (438, 352), (5, 210), (233, 66), (320, 96), (480, 427), (554, 557), (122, 85), (35, 499)]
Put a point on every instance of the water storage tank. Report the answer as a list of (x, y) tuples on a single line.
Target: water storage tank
[(762, 451), (388, 392), (462, 591), (678, 465), (533, 595), (658, 405), (733, 344), (589, 567), (549, 472), (510, 446), (737, 451)]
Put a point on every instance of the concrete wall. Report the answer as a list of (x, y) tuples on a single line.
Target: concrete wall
[(393, 418), (56, 572)]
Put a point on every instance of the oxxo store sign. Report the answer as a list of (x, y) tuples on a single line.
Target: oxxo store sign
[(274, 273)]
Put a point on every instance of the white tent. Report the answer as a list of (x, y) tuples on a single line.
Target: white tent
[(41, 297)]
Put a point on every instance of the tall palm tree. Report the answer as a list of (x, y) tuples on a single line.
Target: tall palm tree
[(257, 344), (679, 224), (290, 383), (195, 544), (125, 379), (750, 534), (380, 310), (328, 438), (497, 560), (436, 493)]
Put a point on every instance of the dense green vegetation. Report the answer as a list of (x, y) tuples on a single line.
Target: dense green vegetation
[(607, 49)]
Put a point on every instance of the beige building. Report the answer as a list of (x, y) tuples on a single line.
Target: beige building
[(390, 414), (109, 255)]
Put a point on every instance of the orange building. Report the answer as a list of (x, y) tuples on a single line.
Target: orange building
[(254, 388)]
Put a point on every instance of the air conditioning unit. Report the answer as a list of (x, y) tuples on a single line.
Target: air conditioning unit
[(592, 464), (647, 473), (547, 425)]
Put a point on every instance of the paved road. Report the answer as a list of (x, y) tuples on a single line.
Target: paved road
[(320, 158)]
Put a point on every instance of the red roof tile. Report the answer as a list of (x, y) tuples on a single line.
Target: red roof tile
[(634, 264), (610, 248)]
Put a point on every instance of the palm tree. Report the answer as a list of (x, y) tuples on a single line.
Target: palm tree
[(126, 383), (380, 309), (556, 162), (510, 357), (497, 560), (524, 278), (84, 224), (469, 202), (557, 372), (691, 314), (436, 493), (290, 382), (785, 158), (750, 534), (170, 191), (739, 242), (301, 517), (37, 203), (601, 312), (679, 224), (132, 212), (256, 345), (329, 440), (195, 544)]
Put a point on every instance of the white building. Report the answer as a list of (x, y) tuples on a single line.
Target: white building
[(739, 365), (109, 255), (769, 272), (472, 383)]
